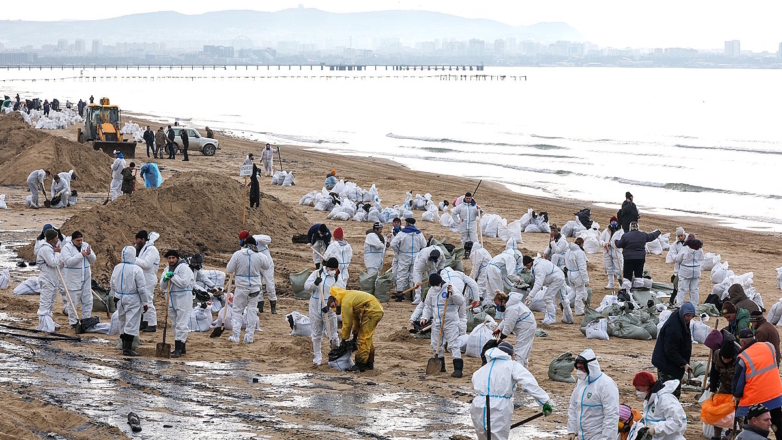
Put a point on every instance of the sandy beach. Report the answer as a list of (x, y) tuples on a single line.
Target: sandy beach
[(401, 359)]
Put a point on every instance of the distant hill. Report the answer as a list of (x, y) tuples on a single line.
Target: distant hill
[(304, 25)]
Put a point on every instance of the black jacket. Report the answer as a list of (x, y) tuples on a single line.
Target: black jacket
[(149, 136), (313, 235), (634, 244), (170, 135), (673, 348), (183, 136), (627, 214)]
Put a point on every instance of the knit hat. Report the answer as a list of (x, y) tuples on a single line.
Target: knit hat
[(244, 234), (506, 347), (435, 280), (625, 412), (323, 229), (613, 219), (728, 351), (628, 195), (332, 263), (142, 234), (527, 260), (713, 340), (756, 411), (338, 234), (46, 227), (746, 334), (728, 307), (644, 379), (333, 172), (680, 231), (50, 234), (755, 316)]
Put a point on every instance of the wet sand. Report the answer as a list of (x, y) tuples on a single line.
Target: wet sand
[(400, 362)]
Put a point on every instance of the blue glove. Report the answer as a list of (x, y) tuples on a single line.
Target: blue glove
[(547, 409)]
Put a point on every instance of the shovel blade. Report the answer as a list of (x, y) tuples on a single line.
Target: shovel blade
[(217, 332), (163, 350), (433, 366)]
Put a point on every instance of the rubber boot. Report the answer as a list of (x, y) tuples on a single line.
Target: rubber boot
[(442, 364), (260, 306), (358, 367), (371, 361), (177, 350), (672, 301), (184, 347), (458, 364), (150, 329), (399, 297), (127, 346), (273, 305)]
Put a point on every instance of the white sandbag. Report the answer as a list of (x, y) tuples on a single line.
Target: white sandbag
[(2, 202), (463, 343), (709, 261), (745, 280), (228, 319), (200, 319), (289, 178), (446, 220), (339, 187), (538, 304), (719, 272), (342, 216), (334, 211), (654, 247), (512, 230), (646, 283), (301, 324), (343, 362), (28, 201), (430, 216), (532, 229), (114, 328), (665, 241), (775, 313), (308, 199), (572, 228), (279, 177), (591, 242), (526, 219), (664, 315), (607, 302), (597, 329), (360, 216), (779, 277), (29, 286), (479, 336), (5, 279), (323, 203), (103, 328), (721, 290), (754, 295), (215, 276), (490, 224), (699, 331)]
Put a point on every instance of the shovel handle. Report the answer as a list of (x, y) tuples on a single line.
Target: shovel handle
[(423, 283), (73, 306), (228, 293), (528, 419), (106, 304), (165, 326)]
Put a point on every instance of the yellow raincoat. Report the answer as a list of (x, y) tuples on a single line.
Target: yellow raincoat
[(360, 314)]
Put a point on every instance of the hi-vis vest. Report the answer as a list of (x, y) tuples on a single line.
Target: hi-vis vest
[(761, 374)]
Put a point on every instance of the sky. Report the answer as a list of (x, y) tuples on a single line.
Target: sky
[(698, 24)]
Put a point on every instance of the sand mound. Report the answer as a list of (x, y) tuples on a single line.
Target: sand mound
[(193, 212), (24, 149)]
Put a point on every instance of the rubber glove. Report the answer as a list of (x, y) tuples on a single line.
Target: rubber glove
[(547, 409), (318, 280), (167, 276), (651, 431)]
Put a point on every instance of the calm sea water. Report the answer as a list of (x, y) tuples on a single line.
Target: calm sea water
[(696, 141)]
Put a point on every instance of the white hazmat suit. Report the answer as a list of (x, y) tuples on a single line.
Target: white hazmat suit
[(578, 277), (549, 275), (406, 245), (116, 177), (664, 413), (612, 255), (343, 252), (35, 181), (78, 278), (62, 189), (518, 319), (130, 286), (423, 267), (556, 250), (498, 380), (374, 252), (48, 261), (318, 297), (467, 287), (690, 262), (468, 227), (247, 265), (180, 302), (267, 274), (434, 308), (500, 274), (148, 259), (594, 404), (479, 261)]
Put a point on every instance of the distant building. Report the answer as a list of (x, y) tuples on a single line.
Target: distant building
[(475, 48), (80, 46), (219, 51), (97, 47), (62, 45), (733, 48), (18, 57), (779, 52)]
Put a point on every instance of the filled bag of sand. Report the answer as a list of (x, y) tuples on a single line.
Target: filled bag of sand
[(383, 287), (775, 313), (308, 199), (5, 279), (537, 303), (288, 180), (215, 276), (709, 261), (526, 218), (625, 330), (654, 247), (200, 319), (532, 229), (2, 202), (779, 277), (367, 282), (29, 286), (297, 284), (480, 335), (490, 224), (299, 324), (279, 177), (343, 362), (719, 273), (561, 368), (114, 328), (512, 230), (597, 329), (665, 241), (718, 411)]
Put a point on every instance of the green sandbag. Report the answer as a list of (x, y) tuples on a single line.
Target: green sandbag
[(526, 276), (473, 320), (709, 309), (455, 262), (98, 306), (642, 297), (561, 368), (651, 328), (383, 287), (647, 272), (297, 284), (589, 316), (623, 330), (698, 368), (367, 282), (539, 333)]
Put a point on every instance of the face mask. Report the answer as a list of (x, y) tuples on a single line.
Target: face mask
[(614, 224), (331, 273), (397, 228), (641, 394), (499, 308), (581, 375)]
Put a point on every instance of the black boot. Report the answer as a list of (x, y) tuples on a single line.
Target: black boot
[(358, 367), (150, 329), (442, 364), (184, 347), (177, 350), (399, 297), (458, 364), (273, 305), (127, 345), (672, 300), (260, 306), (371, 360)]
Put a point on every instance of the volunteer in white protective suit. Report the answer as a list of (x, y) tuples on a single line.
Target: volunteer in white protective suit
[(60, 188), (577, 275), (500, 274), (468, 212), (498, 379), (148, 259), (663, 417), (180, 302), (48, 260), (428, 261), (594, 404), (375, 249), (673, 251), (116, 174), (690, 260), (35, 181), (557, 248), (547, 274), (77, 257), (441, 292), (319, 285), (247, 264), (40, 241), (518, 319), (406, 245), (267, 158), (468, 288), (479, 261), (69, 177), (342, 251), (196, 263), (268, 274), (130, 286), (612, 255)]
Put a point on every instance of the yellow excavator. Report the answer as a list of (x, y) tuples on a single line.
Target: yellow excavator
[(101, 127)]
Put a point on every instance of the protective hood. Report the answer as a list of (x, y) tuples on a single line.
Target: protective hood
[(476, 246), (338, 293), (129, 255), (574, 247), (153, 236), (687, 308), (510, 252), (592, 365), (496, 353), (511, 244), (515, 298), (668, 387)]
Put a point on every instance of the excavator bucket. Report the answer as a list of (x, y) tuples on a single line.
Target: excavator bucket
[(128, 149)]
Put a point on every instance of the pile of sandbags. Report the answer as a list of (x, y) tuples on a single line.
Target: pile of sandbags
[(591, 239), (572, 228), (621, 321), (532, 222), (662, 243), (490, 224), (134, 130)]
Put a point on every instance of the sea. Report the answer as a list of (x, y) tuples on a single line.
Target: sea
[(686, 142)]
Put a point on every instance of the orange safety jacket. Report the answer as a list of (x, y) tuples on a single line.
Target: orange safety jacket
[(761, 375)]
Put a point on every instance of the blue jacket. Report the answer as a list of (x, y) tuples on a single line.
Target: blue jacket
[(673, 348), (313, 236), (151, 175), (634, 244)]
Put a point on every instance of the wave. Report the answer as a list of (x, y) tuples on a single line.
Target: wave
[(298, 138), (546, 137), (452, 150), (686, 187), (463, 142), (731, 149)]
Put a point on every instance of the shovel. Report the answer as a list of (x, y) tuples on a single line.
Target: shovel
[(423, 283), (79, 329), (527, 420), (433, 366), (217, 332), (47, 203), (108, 196), (102, 302), (162, 349)]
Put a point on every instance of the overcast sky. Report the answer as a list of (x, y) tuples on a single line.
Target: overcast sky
[(701, 24)]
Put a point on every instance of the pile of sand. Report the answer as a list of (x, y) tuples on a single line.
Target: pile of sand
[(192, 212), (24, 149)]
